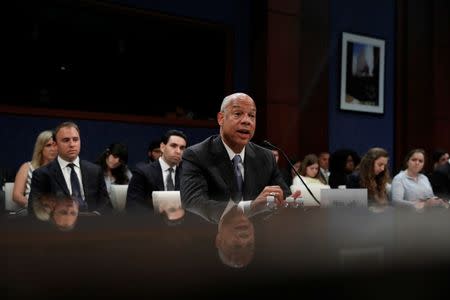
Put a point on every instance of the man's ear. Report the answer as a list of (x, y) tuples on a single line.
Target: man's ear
[(220, 117)]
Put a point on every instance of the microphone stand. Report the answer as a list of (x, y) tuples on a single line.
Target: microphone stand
[(292, 166)]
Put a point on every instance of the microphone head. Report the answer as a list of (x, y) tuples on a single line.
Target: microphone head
[(266, 142)]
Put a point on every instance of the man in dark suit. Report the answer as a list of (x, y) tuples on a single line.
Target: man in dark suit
[(68, 175), (229, 166), (161, 175), (440, 181)]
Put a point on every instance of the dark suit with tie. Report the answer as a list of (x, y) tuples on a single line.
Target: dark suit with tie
[(440, 181), (49, 180), (147, 177), (208, 172)]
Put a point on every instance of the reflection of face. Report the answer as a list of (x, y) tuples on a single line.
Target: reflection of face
[(238, 122), (324, 159), (112, 161), (236, 238), (68, 143), (65, 213), (173, 150), (312, 170), (415, 163), (379, 165), (50, 151)]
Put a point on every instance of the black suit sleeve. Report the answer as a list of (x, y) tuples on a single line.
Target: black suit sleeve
[(279, 180), (138, 194), (40, 185), (103, 202), (440, 182), (353, 181), (193, 184)]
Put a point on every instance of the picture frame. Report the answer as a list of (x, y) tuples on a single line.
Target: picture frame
[(362, 74)]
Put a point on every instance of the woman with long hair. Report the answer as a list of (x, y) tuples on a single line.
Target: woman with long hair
[(44, 152), (412, 188), (372, 174), (114, 165)]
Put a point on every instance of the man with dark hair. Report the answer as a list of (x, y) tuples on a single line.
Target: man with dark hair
[(160, 175), (154, 151), (70, 176), (440, 180)]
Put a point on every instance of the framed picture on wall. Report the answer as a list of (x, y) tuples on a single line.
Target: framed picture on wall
[(362, 74)]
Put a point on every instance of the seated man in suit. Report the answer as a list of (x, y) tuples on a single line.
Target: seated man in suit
[(161, 175), (229, 166), (70, 176), (440, 181)]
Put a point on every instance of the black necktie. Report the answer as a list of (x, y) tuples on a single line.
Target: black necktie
[(169, 182), (237, 173), (75, 183)]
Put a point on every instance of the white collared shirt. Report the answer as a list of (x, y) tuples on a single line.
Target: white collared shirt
[(63, 164), (231, 154), (165, 171)]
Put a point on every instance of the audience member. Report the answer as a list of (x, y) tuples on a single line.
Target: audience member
[(44, 152), (309, 172), (342, 164), (113, 162), (229, 166), (324, 164), (440, 181), (439, 157), (160, 175), (410, 187), (153, 151), (288, 173), (372, 174), (70, 176)]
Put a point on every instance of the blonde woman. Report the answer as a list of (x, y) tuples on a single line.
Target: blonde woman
[(44, 152)]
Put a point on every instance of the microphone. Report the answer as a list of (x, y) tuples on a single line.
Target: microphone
[(292, 167)]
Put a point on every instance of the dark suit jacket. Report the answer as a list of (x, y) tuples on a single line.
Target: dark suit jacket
[(440, 181), (147, 177), (208, 172), (49, 180)]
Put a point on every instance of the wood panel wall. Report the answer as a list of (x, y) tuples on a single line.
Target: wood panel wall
[(295, 83), (422, 80)]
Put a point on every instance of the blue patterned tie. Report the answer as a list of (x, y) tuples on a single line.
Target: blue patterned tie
[(237, 172), (75, 183)]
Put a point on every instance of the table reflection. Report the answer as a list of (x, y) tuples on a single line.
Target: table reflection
[(223, 244)]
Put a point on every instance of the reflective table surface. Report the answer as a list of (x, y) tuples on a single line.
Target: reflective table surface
[(221, 251)]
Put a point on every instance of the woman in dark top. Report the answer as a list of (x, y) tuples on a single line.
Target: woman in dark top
[(372, 174), (114, 165), (342, 164)]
